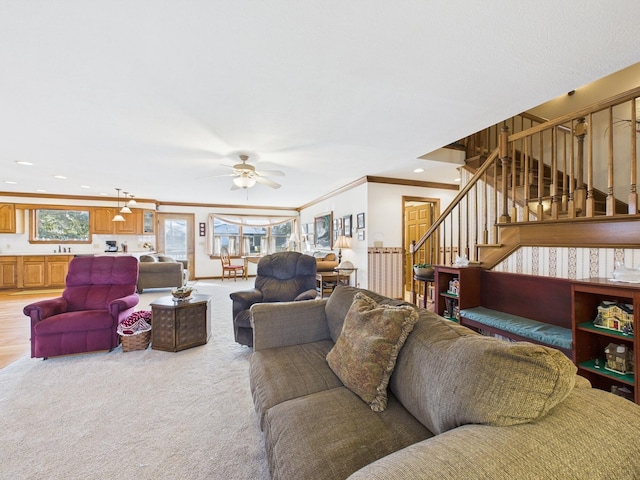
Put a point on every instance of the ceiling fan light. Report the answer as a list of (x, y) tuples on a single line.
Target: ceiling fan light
[(244, 182)]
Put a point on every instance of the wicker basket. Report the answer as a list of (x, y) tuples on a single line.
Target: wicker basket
[(136, 342)]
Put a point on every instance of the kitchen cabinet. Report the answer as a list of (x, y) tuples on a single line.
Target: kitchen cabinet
[(33, 272), (8, 272), (7, 218)]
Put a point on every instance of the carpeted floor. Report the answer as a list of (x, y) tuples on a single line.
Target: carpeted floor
[(136, 415)]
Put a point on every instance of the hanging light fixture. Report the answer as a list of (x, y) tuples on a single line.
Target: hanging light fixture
[(132, 201), (125, 208), (118, 217), (244, 181)]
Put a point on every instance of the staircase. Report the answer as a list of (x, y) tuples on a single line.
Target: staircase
[(564, 182)]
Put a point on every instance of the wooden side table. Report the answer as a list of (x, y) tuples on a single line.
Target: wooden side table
[(180, 325)]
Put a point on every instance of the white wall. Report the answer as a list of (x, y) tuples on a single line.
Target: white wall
[(383, 208)]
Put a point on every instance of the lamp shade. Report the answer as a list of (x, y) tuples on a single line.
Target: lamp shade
[(342, 242), (125, 209), (117, 218)]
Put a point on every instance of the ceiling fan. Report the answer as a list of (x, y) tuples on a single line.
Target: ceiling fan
[(245, 175)]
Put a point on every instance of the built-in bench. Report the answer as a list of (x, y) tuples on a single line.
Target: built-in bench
[(523, 307)]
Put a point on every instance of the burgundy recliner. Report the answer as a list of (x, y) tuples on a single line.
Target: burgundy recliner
[(100, 293)]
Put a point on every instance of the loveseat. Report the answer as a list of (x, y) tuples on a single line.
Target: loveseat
[(458, 405), (161, 271), (325, 261)]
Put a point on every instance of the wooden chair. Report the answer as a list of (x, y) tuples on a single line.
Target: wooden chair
[(225, 259)]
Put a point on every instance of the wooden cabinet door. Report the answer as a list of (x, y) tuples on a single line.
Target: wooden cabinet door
[(57, 268), (130, 224), (7, 218), (33, 272), (101, 220), (8, 272)]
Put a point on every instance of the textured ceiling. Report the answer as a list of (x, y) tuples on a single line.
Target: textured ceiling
[(153, 97)]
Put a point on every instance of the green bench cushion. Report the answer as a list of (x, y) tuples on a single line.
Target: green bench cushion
[(541, 332)]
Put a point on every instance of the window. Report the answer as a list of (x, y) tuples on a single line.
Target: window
[(57, 225), (250, 235)]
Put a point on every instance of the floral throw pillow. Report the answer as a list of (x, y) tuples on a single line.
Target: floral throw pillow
[(365, 353)]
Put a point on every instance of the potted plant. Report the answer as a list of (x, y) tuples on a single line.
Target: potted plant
[(424, 270)]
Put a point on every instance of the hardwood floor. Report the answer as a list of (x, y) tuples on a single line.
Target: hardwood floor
[(14, 325)]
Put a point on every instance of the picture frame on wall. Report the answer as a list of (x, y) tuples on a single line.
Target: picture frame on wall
[(361, 235), (323, 229), (346, 222), (360, 220)]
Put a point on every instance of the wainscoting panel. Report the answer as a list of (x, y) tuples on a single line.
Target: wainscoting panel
[(385, 271)]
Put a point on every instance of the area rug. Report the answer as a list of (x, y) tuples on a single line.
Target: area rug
[(144, 414)]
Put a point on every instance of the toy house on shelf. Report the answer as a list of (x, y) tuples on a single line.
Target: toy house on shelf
[(454, 287), (619, 358), (615, 316)]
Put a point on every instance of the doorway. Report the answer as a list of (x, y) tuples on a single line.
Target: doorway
[(418, 216), (176, 237)]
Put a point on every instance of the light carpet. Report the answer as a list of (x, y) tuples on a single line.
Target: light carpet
[(136, 415)]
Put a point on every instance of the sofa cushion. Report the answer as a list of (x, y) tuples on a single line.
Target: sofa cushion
[(447, 375), (331, 434), (280, 374), (365, 354)]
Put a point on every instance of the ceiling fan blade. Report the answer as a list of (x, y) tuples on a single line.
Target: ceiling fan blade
[(267, 182), (270, 173), (220, 175)]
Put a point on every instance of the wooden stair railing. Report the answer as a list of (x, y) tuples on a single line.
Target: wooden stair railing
[(548, 173)]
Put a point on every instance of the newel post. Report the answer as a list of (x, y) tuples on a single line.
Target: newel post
[(505, 160)]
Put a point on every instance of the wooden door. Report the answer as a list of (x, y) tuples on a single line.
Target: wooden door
[(419, 215)]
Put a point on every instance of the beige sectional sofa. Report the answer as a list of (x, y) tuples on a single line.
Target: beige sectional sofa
[(161, 271), (460, 406)]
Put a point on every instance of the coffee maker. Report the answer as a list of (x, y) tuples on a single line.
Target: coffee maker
[(111, 246)]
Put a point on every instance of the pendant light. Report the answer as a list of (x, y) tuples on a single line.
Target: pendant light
[(132, 201), (118, 217), (125, 208)]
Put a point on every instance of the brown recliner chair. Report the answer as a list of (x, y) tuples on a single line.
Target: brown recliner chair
[(281, 277)]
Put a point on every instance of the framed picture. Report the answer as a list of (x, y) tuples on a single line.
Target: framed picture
[(202, 229), (360, 220), (323, 228), (346, 225), (361, 235)]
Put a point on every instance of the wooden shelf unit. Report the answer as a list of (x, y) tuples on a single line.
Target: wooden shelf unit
[(469, 293), (590, 341)]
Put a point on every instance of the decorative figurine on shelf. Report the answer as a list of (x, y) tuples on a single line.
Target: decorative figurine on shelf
[(615, 316), (454, 286), (624, 274), (619, 358), (461, 261)]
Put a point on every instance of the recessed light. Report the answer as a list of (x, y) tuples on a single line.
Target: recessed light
[(61, 177), (10, 182), (456, 179), (104, 194), (40, 190), (23, 162), (418, 170), (85, 186)]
